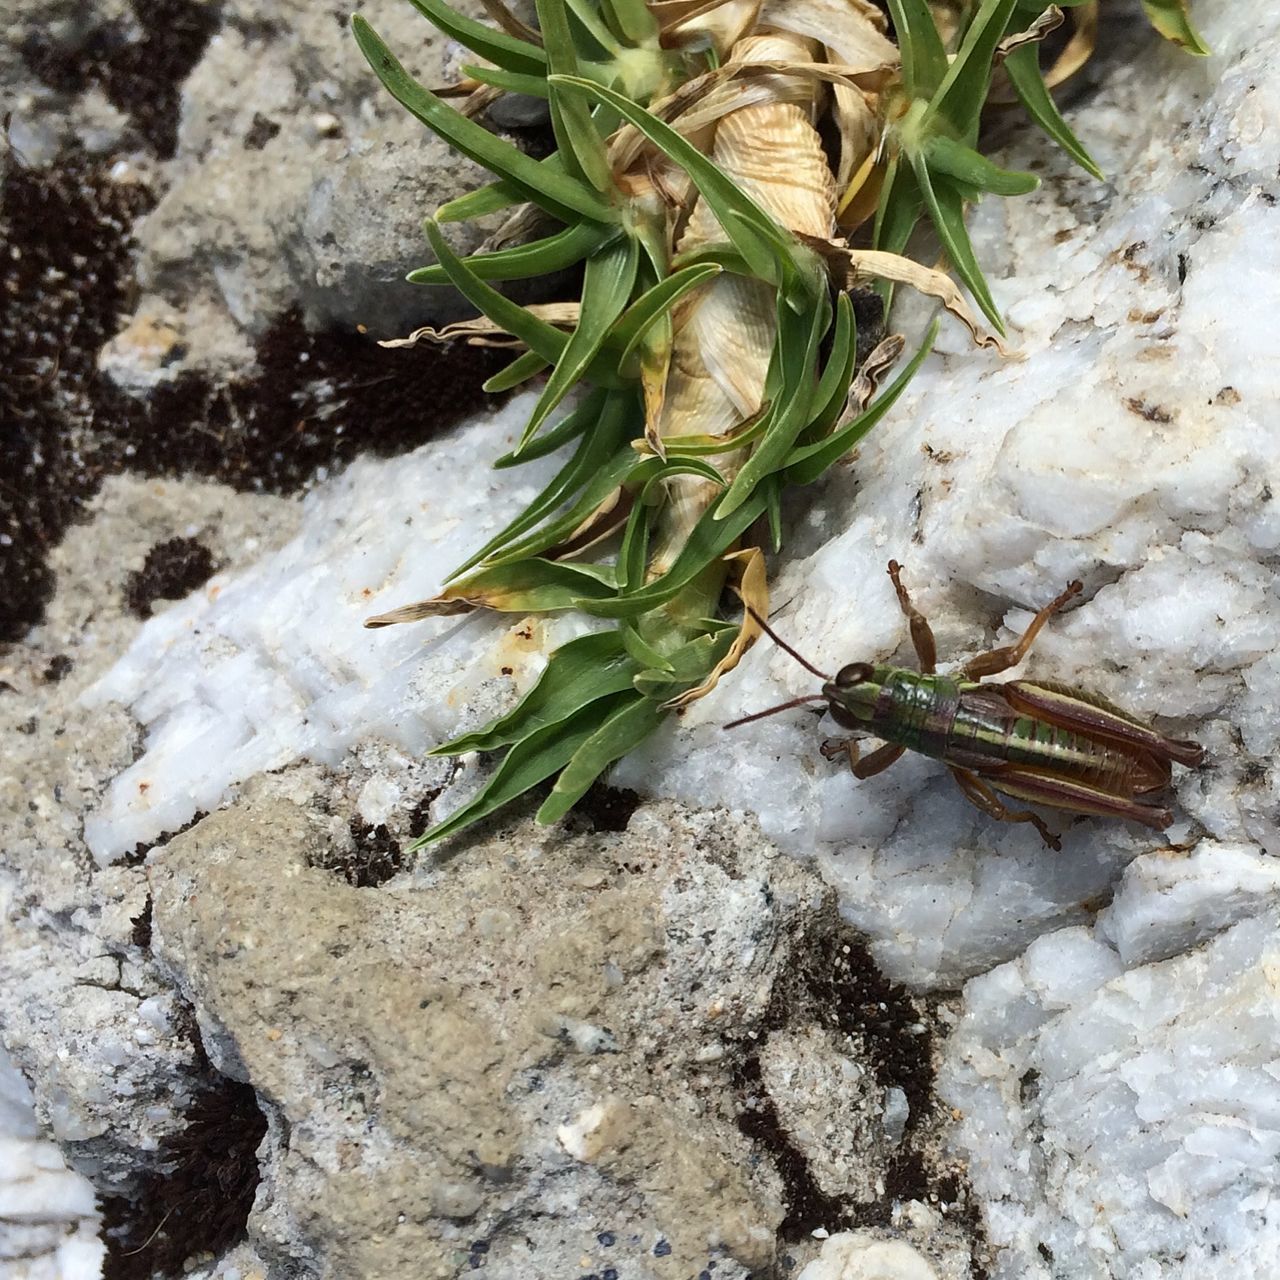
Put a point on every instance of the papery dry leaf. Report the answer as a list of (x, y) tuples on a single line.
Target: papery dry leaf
[(1079, 49), (936, 284), (417, 612), (753, 587), (510, 23), (884, 355), (718, 24), (604, 521), (704, 100), (1050, 20), (482, 332), (725, 333), (853, 29)]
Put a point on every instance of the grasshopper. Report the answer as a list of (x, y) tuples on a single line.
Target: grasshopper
[(1032, 740)]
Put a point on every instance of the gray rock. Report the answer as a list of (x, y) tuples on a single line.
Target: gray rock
[(299, 182)]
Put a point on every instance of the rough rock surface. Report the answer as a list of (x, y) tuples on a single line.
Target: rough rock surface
[(610, 1047)]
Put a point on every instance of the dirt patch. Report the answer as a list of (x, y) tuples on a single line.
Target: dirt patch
[(172, 570), (312, 401), (139, 66), (200, 1201), (373, 857)]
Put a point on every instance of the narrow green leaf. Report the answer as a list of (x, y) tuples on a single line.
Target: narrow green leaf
[(837, 374), (583, 12), (633, 21), (606, 287), (653, 304), (536, 334), (963, 91), (556, 192), (768, 249), (508, 81), (538, 756), (497, 196), (626, 727), (651, 492), (593, 452), (924, 61), (946, 207), (521, 369), (1172, 20), (497, 46), (569, 427), (797, 347), (578, 140), (972, 169), (576, 674), (899, 210), (525, 261), (1023, 66), (537, 586), (596, 487), (708, 541), (807, 463), (646, 656), (492, 198), (688, 665), (900, 207), (747, 432), (633, 554), (771, 486), (723, 255)]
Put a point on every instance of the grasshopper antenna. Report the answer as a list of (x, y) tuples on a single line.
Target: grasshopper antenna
[(786, 648), (803, 661), (773, 711)]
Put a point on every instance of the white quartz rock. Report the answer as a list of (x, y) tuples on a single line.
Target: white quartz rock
[(1125, 1123), (48, 1214), (273, 664), (857, 1255)]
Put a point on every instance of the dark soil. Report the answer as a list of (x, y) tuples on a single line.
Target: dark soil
[(172, 570), (834, 982), (200, 1200), (313, 402), (373, 857), (139, 66)]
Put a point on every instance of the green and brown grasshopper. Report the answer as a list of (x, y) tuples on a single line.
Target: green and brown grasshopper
[(1028, 739)]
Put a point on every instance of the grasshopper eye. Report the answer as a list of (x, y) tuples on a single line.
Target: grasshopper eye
[(854, 673)]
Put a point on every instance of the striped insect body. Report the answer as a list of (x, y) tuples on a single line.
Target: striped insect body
[(1034, 741)]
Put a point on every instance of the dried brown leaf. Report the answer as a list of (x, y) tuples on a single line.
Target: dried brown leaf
[(883, 357), (753, 586), (936, 284), (1050, 20), (480, 331)]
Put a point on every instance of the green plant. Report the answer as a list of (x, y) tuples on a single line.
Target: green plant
[(713, 345)]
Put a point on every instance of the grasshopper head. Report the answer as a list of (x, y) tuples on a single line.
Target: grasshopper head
[(852, 694)]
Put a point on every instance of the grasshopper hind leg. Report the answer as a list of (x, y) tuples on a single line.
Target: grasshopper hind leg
[(995, 661), (982, 797)]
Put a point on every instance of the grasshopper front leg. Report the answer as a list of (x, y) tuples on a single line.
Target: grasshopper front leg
[(996, 660), (877, 762)]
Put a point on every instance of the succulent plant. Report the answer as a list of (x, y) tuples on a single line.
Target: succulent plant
[(713, 349)]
